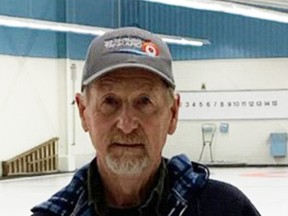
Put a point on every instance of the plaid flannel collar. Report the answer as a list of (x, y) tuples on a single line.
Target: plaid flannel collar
[(96, 192)]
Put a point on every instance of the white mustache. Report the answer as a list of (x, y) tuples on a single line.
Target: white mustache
[(132, 138)]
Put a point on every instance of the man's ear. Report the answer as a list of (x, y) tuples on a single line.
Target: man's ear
[(175, 112), (81, 108)]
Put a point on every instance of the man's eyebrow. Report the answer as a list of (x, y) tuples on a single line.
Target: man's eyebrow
[(106, 82)]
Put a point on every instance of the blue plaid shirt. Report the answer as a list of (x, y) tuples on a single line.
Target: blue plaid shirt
[(183, 189)]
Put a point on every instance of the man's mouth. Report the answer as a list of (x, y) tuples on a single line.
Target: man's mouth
[(128, 145)]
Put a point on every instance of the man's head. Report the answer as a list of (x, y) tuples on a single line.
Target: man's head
[(125, 48), (128, 104)]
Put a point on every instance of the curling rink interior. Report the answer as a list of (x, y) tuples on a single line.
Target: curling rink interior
[(233, 84), (266, 187)]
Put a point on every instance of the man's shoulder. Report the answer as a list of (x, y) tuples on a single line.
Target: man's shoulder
[(221, 188), (191, 182), (65, 200), (226, 198), (223, 192)]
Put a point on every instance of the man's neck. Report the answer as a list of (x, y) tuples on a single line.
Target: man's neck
[(127, 191)]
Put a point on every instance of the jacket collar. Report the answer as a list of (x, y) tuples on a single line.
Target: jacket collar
[(187, 179), (96, 195)]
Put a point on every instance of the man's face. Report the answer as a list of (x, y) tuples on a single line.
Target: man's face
[(128, 115)]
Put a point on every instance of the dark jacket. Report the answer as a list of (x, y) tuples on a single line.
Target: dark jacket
[(188, 192)]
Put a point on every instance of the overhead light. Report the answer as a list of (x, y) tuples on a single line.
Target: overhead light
[(226, 7), (184, 40), (17, 22)]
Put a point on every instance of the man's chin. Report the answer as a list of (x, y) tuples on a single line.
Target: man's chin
[(127, 164)]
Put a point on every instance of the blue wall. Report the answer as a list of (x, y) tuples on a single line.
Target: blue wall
[(44, 9), (231, 36)]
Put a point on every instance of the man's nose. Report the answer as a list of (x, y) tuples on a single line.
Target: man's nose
[(127, 120)]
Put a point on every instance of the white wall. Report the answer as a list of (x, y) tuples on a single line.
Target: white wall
[(32, 102), (247, 140), (35, 105), (36, 96)]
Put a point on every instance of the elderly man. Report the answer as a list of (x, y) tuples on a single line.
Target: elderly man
[(128, 106)]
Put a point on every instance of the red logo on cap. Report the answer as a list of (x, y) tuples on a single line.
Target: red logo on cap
[(150, 48)]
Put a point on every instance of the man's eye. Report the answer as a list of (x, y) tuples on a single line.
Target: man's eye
[(109, 105), (146, 105), (144, 101), (111, 101)]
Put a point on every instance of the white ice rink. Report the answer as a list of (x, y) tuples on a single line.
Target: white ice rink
[(267, 188)]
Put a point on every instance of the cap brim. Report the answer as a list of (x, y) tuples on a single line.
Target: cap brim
[(127, 65)]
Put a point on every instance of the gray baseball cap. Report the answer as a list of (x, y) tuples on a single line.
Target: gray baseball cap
[(127, 47)]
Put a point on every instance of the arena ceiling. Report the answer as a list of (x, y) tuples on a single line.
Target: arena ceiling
[(278, 5)]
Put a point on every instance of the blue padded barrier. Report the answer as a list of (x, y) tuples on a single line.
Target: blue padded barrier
[(278, 143)]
